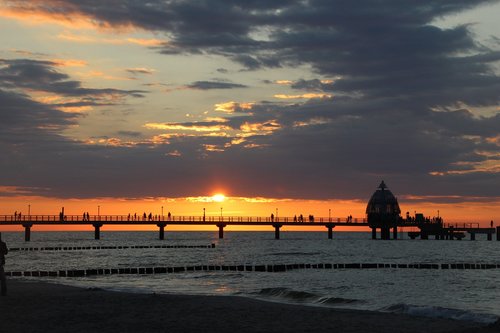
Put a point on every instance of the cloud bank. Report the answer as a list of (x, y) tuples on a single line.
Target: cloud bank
[(396, 97)]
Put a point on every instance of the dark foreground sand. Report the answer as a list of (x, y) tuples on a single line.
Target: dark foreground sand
[(42, 307)]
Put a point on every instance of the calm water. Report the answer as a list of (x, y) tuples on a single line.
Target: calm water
[(460, 294)]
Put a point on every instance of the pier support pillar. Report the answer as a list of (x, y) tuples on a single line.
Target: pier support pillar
[(330, 230), (472, 236), (490, 236), (97, 230), (161, 227), (27, 231), (395, 232), (277, 231), (498, 233), (221, 230), (385, 233), (374, 233)]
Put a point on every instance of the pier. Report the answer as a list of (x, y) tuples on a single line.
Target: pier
[(98, 221), (439, 231)]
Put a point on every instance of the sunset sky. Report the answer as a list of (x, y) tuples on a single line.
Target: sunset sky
[(301, 106)]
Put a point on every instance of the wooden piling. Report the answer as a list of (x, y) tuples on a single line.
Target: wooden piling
[(161, 227), (330, 230), (277, 230), (97, 230), (221, 230), (27, 231)]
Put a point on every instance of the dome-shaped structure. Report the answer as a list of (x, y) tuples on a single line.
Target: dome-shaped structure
[(383, 208)]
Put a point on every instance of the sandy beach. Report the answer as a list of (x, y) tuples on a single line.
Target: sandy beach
[(42, 307)]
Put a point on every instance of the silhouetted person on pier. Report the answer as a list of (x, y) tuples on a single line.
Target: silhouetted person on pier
[(15, 215), (144, 216), (491, 224), (272, 217), (169, 216), (295, 218), (150, 217), (3, 252)]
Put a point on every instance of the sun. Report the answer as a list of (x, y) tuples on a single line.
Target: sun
[(218, 197)]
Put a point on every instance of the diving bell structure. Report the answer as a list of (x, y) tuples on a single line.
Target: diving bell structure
[(383, 212)]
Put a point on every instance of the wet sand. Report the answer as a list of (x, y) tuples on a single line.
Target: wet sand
[(42, 307)]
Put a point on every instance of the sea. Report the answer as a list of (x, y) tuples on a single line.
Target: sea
[(462, 294)]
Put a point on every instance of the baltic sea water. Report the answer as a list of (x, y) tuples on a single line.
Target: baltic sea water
[(460, 294)]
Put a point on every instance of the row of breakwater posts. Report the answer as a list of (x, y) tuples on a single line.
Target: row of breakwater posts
[(120, 247), (439, 231), (247, 268)]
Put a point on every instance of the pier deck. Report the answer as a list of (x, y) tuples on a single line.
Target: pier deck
[(97, 221)]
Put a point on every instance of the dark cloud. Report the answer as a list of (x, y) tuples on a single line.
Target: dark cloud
[(208, 85), (42, 75), (131, 134)]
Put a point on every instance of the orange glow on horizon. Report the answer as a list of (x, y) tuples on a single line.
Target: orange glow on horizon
[(481, 212)]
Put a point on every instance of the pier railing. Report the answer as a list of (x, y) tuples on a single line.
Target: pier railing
[(176, 218)]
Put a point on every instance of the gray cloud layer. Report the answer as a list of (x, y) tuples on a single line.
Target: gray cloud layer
[(404, 92), (42, 76), (208, 85)]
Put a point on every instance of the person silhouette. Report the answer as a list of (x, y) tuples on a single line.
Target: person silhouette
[(3, 252), (272, 217)]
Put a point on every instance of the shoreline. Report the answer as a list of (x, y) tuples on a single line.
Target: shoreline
[(34, 306)]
